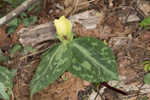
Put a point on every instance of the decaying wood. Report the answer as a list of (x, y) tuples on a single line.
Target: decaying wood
[(26, 4), (37, 34), (32, 36)]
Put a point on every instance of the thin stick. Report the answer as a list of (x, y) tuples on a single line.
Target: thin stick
[(26, 4), (114, 89)]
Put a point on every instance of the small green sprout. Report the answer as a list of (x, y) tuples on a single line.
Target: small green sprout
[(145, 23), (146, 65)]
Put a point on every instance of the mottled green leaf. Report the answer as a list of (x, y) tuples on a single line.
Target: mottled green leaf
[(35, 8), (6, 82), (12, 26), (147, 78), (92, 60), (15, 49), (144, 98), (29, 20), (11, 29), (53, 64), (23, 15), (28, 49), (14, 3), (10, 1), (3, 93), (3, 58), (14, 22)]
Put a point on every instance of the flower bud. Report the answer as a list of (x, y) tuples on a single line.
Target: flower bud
[(63, 28)]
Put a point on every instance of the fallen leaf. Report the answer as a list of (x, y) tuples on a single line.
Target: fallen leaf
[(146, 35), (14, 37), (81, 31), (65, 90), (4, 40)]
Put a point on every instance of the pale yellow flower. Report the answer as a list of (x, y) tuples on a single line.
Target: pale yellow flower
[(63, 28)]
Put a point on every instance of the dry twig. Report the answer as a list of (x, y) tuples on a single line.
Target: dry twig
[(26, 4)]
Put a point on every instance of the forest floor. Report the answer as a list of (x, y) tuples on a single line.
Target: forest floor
[(117, 23)]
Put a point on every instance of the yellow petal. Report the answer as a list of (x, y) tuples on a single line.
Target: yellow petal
[(63, 27)]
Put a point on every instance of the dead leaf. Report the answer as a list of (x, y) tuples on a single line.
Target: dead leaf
[(81, 31), (68, 3), (4, 40), (14, 37), (114, 23), (146, 35), (66, 90)]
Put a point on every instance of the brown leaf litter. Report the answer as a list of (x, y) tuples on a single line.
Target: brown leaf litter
[(4, 40), (63, 90)]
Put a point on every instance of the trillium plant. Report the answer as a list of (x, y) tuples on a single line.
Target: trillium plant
[(85, 57)]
